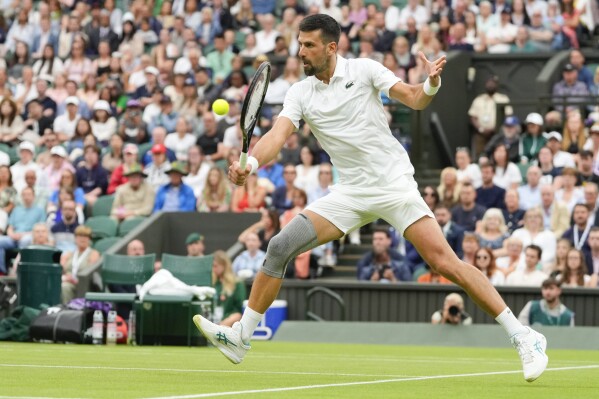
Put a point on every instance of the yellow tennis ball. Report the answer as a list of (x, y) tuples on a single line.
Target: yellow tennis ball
[(220, 106)]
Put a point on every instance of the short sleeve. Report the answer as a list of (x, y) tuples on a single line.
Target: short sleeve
[(292, 107), (381, 77)]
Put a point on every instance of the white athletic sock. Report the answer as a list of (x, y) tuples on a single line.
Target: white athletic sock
[(249, 321), (510, 323)]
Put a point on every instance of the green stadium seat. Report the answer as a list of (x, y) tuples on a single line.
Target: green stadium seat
[(191, 270), (102, 226), (103, 244), (127, 225), (103, 205)]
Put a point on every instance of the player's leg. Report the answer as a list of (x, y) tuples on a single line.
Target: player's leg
[(427, 237)]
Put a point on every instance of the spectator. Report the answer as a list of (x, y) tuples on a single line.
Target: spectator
[(533, 232), (482, 114), (325, 181), (77, 66), (175, 196), (584, 74), (113, 156), (181, 140), (586, 172), (592, 257), (530, 276), (81, 258), (25, 163), (431, 197), (210, 142), (282, 197), (249, 262), (65, 124), (457, 37), (216, 195), (132, 128), (300, 200), (574, 274), (500, 37), (530, 193), (563, 247), (561, 158), (522, 43), (512, 213), (452, 312), (556, 216), (92, 177), (514, 256), (103, 124), (509, 136), (230, 293), (220, 59), (265, 38), (470, 245), (273, 172), (167, 118), (250, 197), (548, 311), (383, 263), (40, 236), (533, 138), (64, 229), (20, 224), (158, 168), (59, 163), (541, 35), (198, 169), (569, 194), (8, 197), (41, 192), (591, 194), (454, 233), (578, 234), (267, 227), (565, 91), (466, 170), (68, 182), (36, 122), (507, 174), (134, 198), (489, 195), (485, 262), (11, 124), (195, 245), (467, 213), (449, 187), (492, 230)]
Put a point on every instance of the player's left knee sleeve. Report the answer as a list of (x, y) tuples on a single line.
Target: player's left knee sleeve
[(297, 237)]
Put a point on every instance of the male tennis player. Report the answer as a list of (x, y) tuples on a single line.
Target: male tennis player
[(340, 101)]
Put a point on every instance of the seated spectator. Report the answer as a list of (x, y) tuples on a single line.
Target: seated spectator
[(282, 197), (81, 258), (569, 194), (467, 213), (134, 198), (591, 200), (273, 171), (466, 170), (113, 156), (132, 128), (11, 123), (533, 232), (530, 193), (325, 181), (158, 137), (92, 177), (103, 124), (452, 312), (8, 197), (449, 187), (210, 141), (267, 227), (554, 269), (556, 216), (156, 170), (507, 175), (530, 276), (175, 196), (493, 231), (431, 197), (550, 173), (533, 138), (578, 234), (20, 225), (586, 172), (180, 140), (167, 118), (485, 262), (574, 133), (489, 195), (453, 232), (65, 124), (382, 263), (512, 213), (197, 170), (40, 236), (574, 274), (307, 171), (68, 182), (247, 264), (64, 229), (249, 197), (195, 245), (509, 136), (216, 195), (548, 311), (117, 178), (59, 163), (513, 258), (25, 163), (561, 159), (565, 91), (41, 192), (230, 293)]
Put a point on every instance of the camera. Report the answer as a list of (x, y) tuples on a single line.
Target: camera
[(382, 270), (454, 310)]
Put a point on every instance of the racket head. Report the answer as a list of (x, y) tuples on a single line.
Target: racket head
[(252, 104)]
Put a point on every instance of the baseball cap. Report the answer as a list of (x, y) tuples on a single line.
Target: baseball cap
[(568, 67), (130, 148), (72, 100), (534, 118), (511, 120), (158, 149), (26, 145), (553, 135), (152, 70), (59, 151), (193, 238)]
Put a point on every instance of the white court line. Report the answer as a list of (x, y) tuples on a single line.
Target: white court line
[(43, 366), (347, 384)]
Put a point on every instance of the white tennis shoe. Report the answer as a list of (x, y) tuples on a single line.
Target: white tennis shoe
[(226, 339), (531, 347)]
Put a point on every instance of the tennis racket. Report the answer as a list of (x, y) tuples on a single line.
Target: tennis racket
[(252, 105)]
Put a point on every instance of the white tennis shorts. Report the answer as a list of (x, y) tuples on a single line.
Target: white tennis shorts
[(398, 207)]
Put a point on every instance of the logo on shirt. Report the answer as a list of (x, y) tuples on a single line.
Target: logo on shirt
[(349, 84)]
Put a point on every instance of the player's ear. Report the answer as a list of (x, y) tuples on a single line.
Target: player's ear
[(332, 48)]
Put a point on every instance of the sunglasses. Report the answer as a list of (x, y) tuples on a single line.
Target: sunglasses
[(482, 257)]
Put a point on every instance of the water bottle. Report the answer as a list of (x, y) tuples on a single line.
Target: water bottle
[(98, 328), (111, 328), (131, 328)]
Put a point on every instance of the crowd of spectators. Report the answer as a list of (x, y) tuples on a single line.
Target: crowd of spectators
[(114, 98)]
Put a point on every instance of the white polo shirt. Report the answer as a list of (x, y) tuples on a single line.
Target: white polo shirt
[(347, 118)]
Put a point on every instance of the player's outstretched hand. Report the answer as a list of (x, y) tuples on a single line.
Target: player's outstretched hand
[(433, 68), (237, 175)]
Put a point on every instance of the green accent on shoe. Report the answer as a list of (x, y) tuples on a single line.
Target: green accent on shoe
[(221, 337)]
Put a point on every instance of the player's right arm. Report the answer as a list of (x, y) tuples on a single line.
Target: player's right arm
[(266, 149)]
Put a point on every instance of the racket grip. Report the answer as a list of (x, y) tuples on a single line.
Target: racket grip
[(243, 160)]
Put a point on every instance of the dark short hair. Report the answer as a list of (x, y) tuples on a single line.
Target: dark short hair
[(551, 281), (329, 28), (586, 154), (383, 230), (536, 248)]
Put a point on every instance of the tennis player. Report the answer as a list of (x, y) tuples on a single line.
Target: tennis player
[(340, 101)]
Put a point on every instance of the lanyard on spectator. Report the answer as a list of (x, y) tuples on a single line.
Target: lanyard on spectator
[(579, 243)]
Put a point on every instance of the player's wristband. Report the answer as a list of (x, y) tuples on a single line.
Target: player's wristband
[(253, 162), (429, 90)]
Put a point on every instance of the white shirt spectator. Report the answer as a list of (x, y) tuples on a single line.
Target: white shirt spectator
[(545, 239), (419, 13), (505, 178), (265, 41), (18, 173), (66, 126), (576, 198), (198, 181), (246, 265), (529, 196), (471, 174), (179, 145), (563, 159), (524, 278)]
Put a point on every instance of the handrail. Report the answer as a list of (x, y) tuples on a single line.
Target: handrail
[(439, 134), (327, 291)]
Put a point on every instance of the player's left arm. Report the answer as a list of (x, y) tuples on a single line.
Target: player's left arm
[(415, 96)]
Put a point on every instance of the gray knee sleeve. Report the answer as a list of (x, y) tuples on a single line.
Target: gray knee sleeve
[(297, 237)]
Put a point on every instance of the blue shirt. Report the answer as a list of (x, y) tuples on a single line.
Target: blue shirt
[(273, 173), (246, 262), (23, 219), (187, 200)]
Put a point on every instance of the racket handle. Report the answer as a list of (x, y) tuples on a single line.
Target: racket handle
[(243, 160)]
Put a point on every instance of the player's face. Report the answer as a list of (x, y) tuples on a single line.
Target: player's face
[(314, 53)]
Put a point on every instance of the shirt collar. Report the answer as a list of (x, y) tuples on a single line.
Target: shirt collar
[(339, 72)]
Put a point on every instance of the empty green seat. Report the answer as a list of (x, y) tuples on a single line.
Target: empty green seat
[(127, 225), (103, 244), (103, 206), (102, 226)]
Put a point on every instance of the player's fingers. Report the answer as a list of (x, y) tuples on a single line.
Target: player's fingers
[(422, 57)]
